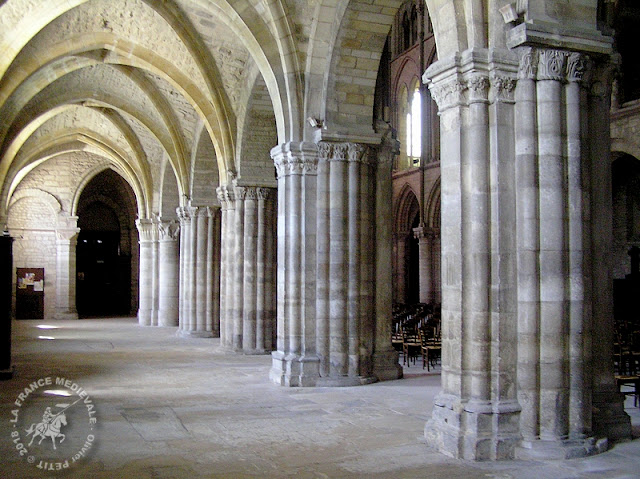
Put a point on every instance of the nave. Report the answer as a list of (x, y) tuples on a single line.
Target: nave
[(170, 407)]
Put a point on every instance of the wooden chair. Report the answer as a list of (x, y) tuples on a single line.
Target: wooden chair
[(633, 381), (396, 336), (626, 365), (431, 348), (410, 345)]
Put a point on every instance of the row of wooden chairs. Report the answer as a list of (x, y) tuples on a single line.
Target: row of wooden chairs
[(416, 333), (626, 360)]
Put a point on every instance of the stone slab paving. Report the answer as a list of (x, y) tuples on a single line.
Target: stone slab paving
[(170, 407)]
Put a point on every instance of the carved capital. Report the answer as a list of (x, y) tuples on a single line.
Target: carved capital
[(347, 152), (168, 230), (504, 87), (64, 235), (528, 67), (447, 94), (251, 193), (240, 192), (551, 64), (576, 66), (226, 195), (478, 86), (295, 159), (203, 211), (147, 230), (185, 213), (265, 194)]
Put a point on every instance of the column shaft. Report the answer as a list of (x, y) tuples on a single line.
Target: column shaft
[(66, 242), (168, 273), (147, 238), (553, 263), (528, 248)]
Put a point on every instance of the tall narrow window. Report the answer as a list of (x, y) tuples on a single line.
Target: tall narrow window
[(414, 128)]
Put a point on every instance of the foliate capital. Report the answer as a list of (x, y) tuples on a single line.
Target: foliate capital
[(168, 230), (295, 159), (347, 152), (552, 64), (147, 230)]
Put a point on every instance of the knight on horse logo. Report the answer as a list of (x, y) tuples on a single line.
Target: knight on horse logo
[(51, 425), (59, 420)]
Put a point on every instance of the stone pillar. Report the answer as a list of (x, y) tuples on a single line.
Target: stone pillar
[(400, 283), (168, 273), (558, 301), (258, 318), (334, 267), (248, 250), (426, 240), (199, 271), (476, 414), (227, 242), (346, 274), (147, 234), (295, 362), (66, 242), (385, 357), (609, 418)]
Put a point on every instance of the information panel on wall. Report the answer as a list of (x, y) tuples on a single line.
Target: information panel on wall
[(30, 293)]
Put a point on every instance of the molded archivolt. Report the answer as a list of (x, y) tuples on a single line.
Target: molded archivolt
[(105, 148), (88, 177), (406, 209), (43, 196), (432, 207), (623, 146)]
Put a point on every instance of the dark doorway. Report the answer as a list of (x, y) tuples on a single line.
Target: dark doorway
[(103, 275), (104, 254)]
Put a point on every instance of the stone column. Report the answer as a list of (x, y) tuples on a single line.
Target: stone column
[(426, 238), (346, 259), (198, 272), (476, 414), (66, 242), (258, 293), (147, 233), (168, 272), (556, 299), (295, 362), (385, 357), (400, 284), (227, 242), (334, 265), (248, 246), (609, 418)]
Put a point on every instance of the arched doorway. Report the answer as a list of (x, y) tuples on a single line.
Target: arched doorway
[(105, 263), (626, 240)]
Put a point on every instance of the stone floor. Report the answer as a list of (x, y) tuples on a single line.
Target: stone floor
[(180, 408)]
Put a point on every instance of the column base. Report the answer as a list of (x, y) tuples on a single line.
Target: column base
[(292, 370), (144, 317), (66, 314), (255, 352), (474, 430), (561, 449), (194, 334), (609, 419), (168, 318), (345, 381), (386, 365)]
